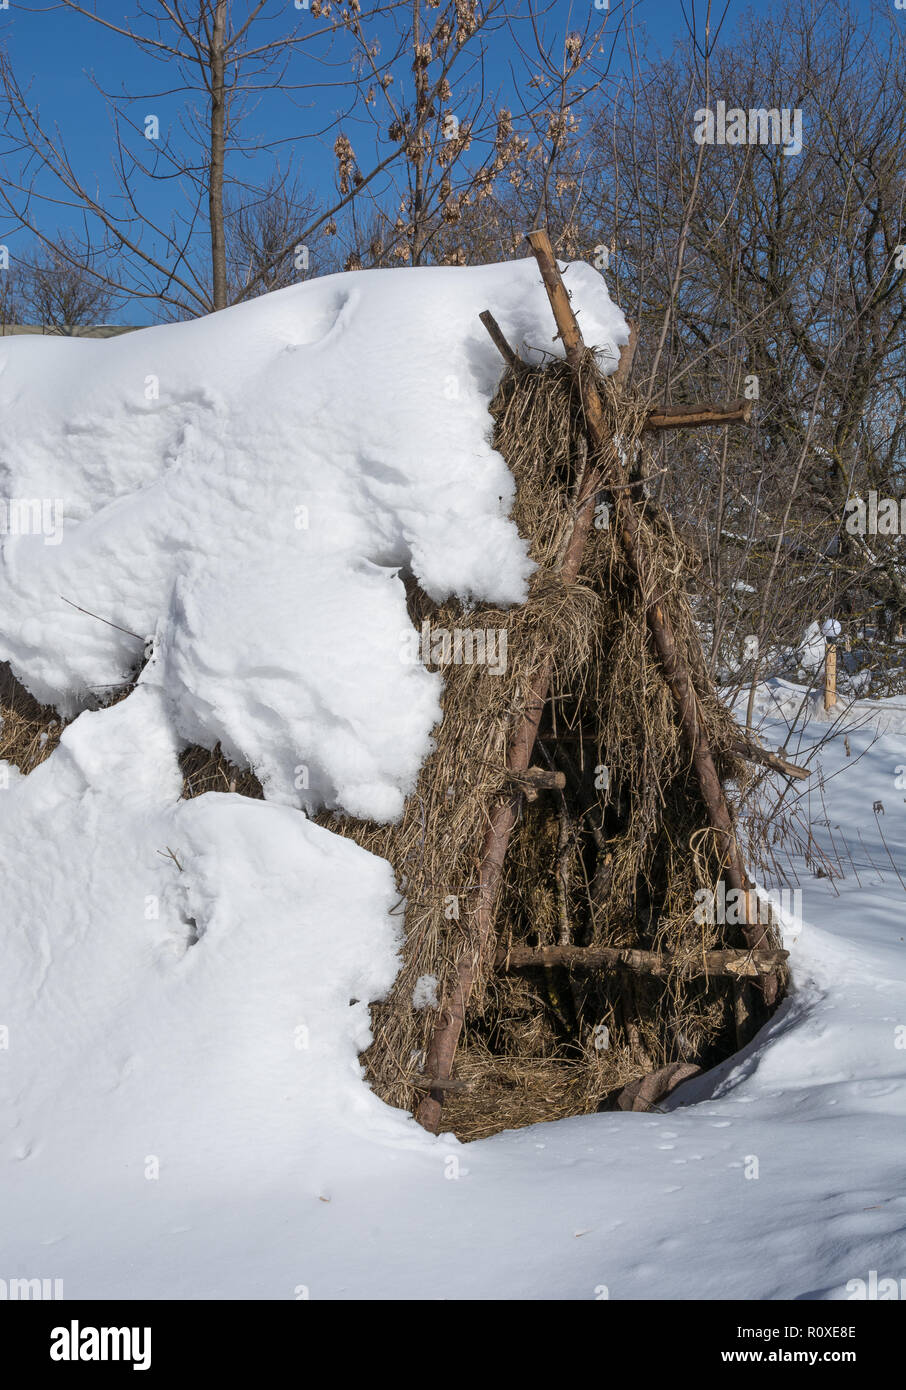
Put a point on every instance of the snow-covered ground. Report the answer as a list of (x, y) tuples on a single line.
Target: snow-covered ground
[(184, 986)]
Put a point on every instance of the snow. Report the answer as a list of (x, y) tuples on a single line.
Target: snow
[(250, 486), (424, 995), (165, 973), (810, 653), (185, 984)]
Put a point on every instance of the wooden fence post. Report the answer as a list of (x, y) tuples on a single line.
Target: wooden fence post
[(830, 674)]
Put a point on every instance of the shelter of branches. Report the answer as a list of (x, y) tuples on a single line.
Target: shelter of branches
[(551, 862)]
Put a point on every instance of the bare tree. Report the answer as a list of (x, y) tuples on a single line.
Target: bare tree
[(61, 294), (754, 271), (221, 57), (10, 297), (465, 146), (259, 231)]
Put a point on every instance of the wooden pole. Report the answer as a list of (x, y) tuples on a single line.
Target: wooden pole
[(536, 779), (650, 1090), (753, 754), (606, 471), (830, 674), (674, 667), (451, 1019), (627, 357), (742, 748), (741, 964), (509, 354), (688, 417)]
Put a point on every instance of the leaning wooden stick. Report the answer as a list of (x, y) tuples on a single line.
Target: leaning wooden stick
[(674, 667), (741, 747), (451, 1021), (753, 754), (509, 355), (605, 471)]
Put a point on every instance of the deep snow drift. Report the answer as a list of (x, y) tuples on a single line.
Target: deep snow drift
[(184, 985), (246, 488)]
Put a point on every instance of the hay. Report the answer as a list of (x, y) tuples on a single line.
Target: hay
[(614, 866), (29, 731), (210, 770)]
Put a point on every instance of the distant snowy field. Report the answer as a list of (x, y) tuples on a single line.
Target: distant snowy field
[(182, 1111)]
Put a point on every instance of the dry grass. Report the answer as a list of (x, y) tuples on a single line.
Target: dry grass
[(209, 770), (612, 866), (617, 866), (29, 731)]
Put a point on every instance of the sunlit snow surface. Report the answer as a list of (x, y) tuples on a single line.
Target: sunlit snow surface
[(185, 985)]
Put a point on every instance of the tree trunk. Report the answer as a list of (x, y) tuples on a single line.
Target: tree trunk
[(217, 156), (417, 154)]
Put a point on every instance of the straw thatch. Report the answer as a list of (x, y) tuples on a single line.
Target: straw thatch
[(210, 770), (29, 731), (612, 859), (605, 865)]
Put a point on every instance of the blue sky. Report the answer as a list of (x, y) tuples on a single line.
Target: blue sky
[(55, 52)]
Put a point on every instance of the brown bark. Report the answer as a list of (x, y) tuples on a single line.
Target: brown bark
[(627, 357), (685, 417), (217, 155), (738, 964), (536, 779), (416, 148), (753, 754), (830, 675), (450, 1023), (674, 667), (648, 1091), (509, 355)]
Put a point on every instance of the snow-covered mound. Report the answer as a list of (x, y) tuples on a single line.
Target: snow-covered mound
[(184, 986), (188, 1120), (246, 489), (184, 982)]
